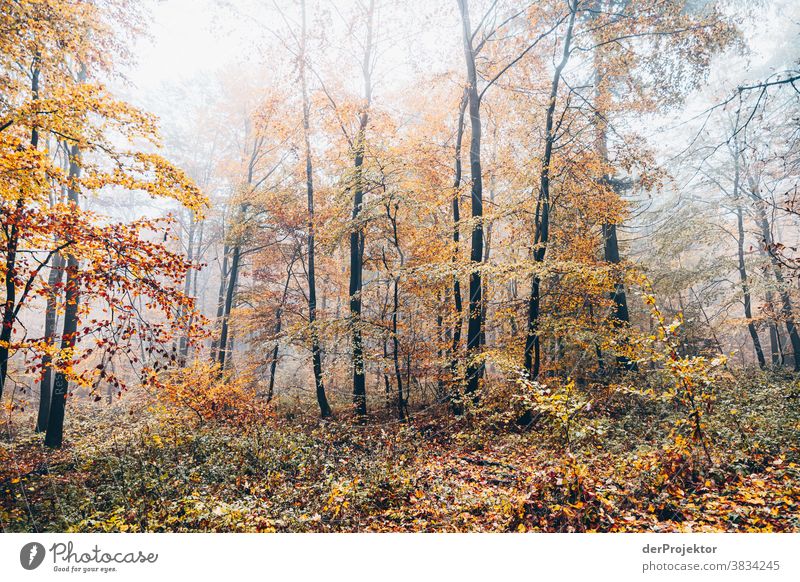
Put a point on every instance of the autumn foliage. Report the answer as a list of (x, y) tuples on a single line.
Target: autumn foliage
[(482, 282)]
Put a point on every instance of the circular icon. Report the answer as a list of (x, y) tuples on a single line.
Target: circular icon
[(31, 555)]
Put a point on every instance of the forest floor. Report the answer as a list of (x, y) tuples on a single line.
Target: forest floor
[(139, 466)]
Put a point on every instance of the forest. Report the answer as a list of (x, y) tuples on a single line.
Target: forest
[(380, 266)]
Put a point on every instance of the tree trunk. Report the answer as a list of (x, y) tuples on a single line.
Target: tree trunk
[(401, 403), (786, 301), (532, 342), (402, 410), (775, 339), (183, 349), (357, 232), (55, 423), (620, 317), (458, 307), (278, 326), (223, 285), (11, 296), (475, 364), (50, 323), (387, 386), (748, 311), (226, 312), (10, 304), (316, 352)]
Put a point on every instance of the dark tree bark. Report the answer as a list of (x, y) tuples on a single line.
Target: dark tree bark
[(775, 343), (458, 307), (55, 423), (401, 402), (50, 322), (357, 231), (748, 311), (620, 316), (223, 285), (229, 297), (233, 279), (11, 297), (541, 236), (387, 385), (740, 239), (402, 409), (475, 366), (316, 351)]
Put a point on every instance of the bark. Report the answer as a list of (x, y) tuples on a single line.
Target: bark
[(226, 350), (748, 311), (387, 385), (532, 342), (357, 232), (50, 323), (11, 296), (620, 316), (226, 312), (183, 348), (775, 343), (475, 366), (458, 307), (402, 409), (401, 403), (55, 423), (443, 338), (273, 365), (316, 351), (746, 298), (787, 311), (223, 285)]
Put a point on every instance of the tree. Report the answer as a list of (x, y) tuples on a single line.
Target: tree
[(91, 130), (357, 229), (316, 351), (475, 323), (542, 231)]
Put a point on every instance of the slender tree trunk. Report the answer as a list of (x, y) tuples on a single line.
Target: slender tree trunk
[(273, 365), (226, 350), (475, 364), (776, 351), (748, 311), (443, 339), (532, 342), (620, 316), (223, 285), (775, 337), (458, 307), (229, 297), (199, 255), (11, 296), (50, 322), (316, 351), (387, 385), (401, 403), (487, 282), (357, 232), (402, 410), (786, 301), (183, 349), (10, 304), (55, 422)]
